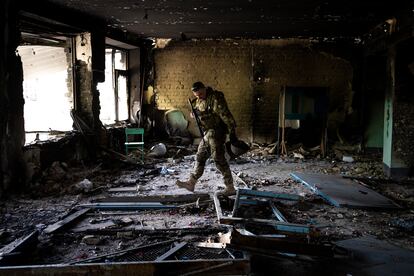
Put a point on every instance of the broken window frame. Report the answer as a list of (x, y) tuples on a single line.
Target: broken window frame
[(116, 75)]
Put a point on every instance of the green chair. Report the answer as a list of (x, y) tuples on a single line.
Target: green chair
[(134, 139)]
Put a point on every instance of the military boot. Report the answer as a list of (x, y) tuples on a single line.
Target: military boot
[(228, 191), (189, 184)]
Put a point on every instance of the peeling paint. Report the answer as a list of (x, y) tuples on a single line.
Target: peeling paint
[(261, 19)]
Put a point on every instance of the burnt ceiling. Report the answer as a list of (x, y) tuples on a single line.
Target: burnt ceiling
[(238, 18)]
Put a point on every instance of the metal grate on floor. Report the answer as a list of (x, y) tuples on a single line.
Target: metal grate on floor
[(191, 252), (152, 252), (142, 253), (149, 254)]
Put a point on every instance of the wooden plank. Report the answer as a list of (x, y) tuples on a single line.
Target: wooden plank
[(18, 245), (123, 189), (69, 220), (127, 206), (161, 198), (159, 232)]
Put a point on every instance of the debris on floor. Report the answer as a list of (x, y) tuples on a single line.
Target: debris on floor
[(96, 216), (372, 256)]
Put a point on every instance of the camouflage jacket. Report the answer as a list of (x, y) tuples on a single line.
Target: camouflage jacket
[(214, 112)]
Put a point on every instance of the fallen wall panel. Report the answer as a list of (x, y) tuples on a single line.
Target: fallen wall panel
[(342, 192)]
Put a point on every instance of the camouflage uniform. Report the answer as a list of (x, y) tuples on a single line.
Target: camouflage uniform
[(216, 121)]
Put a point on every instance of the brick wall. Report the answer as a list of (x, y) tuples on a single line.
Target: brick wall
[(250, 74)]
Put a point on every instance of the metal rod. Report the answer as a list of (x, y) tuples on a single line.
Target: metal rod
[(277, 213), (248, 192), (236, 203), (279, 225), (218, 207)]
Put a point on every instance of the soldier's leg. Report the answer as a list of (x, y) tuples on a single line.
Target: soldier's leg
[(218, 154), (201, 158)]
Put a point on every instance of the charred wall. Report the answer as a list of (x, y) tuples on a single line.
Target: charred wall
[(251, 74), (375, 85), (12, 166), (15, 173), (403, 123), (90, 68)]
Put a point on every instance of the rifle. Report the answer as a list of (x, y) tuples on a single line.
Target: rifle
[(198, 122)]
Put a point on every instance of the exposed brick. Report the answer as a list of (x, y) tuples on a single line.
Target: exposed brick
[(234, 69)]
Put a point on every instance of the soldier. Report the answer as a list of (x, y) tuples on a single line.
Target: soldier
[(216, 122)]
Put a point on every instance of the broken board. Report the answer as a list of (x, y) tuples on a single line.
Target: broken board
[(343, 192), (66, 221), (160, 198), (14, 250)]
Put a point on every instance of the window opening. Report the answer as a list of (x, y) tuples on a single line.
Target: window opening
[(114, 91), (47, 90)]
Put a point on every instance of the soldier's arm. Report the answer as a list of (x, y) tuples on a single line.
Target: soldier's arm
[(223, 111)]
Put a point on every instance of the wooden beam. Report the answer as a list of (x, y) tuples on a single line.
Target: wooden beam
[(127, 205), (18, 246), (67, 221), (161, 198)]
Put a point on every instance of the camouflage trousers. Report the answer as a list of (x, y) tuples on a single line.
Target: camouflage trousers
[(213, 145)]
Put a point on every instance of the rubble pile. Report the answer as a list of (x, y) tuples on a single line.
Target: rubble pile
[(94, 213)]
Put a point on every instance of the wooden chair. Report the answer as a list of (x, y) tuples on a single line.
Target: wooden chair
[(134, 139)]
